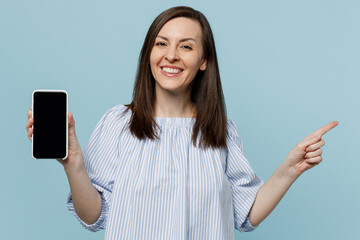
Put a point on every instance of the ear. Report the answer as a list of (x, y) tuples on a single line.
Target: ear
[(203, 65)]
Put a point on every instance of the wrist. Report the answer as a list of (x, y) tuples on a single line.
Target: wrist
[(288, 172), (75, 166)]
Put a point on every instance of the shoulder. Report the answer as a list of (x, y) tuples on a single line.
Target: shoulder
[(231, 129), (118, 109), (117, 116), (232, 134)]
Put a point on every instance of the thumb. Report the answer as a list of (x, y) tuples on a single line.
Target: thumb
[(71, 122)]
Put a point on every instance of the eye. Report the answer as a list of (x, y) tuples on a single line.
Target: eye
[(187, 47), (161, 44)]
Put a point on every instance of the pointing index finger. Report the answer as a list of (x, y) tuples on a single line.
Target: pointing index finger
[(321, 131)]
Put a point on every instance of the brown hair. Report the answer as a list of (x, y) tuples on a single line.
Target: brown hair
[(206, 94)]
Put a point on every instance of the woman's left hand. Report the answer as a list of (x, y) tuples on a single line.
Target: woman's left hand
[(307, 153)]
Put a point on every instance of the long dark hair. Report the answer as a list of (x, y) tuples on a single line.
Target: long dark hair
[(206, 94)]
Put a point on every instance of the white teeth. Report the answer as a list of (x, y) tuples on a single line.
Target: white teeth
[(171, 70)]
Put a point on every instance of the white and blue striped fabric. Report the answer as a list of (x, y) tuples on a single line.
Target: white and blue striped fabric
[(167, 188)]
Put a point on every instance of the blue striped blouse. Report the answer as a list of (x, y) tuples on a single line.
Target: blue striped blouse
[(167, 188)]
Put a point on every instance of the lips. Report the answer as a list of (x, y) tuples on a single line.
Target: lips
[(171, 71)]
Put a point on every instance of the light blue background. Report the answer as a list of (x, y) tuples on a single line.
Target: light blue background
[(287, 67)]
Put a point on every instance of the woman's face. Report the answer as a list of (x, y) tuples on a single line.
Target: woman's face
[(177, 55)]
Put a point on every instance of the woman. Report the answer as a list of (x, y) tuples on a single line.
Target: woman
[(170, 165)]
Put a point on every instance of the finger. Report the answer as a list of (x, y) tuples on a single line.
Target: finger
[(321, 131), (316, 153), (31, 107), (314, 160), (29, 134), (315, 146), (308, 141), (29, 124), (29, 114), (327, 128)]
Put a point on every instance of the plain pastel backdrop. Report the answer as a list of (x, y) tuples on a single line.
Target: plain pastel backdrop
[(287, 68)]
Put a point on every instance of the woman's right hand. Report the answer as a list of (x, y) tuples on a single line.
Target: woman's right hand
[(86, 199), (74, 161)]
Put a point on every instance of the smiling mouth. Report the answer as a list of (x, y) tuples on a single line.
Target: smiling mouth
[(172, 70)]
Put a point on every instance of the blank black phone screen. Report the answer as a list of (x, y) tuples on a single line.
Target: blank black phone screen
[(50, 125)]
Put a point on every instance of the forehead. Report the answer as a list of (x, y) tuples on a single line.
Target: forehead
[(181, 27)]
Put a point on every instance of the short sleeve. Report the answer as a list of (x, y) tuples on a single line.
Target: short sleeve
[(101, 156), (243, 180)]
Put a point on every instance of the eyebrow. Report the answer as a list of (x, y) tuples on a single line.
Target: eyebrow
[(181, 40)]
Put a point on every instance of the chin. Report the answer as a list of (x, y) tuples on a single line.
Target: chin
[(170, 88)]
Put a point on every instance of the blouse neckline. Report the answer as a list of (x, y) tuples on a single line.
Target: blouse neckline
[(170, 122), (174, 122)]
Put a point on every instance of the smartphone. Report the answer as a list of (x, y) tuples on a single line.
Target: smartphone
[(50, 128)]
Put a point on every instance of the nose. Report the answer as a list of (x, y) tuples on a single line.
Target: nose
[(171, 54)]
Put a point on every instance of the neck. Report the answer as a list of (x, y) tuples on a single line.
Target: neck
[(173, 105)]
